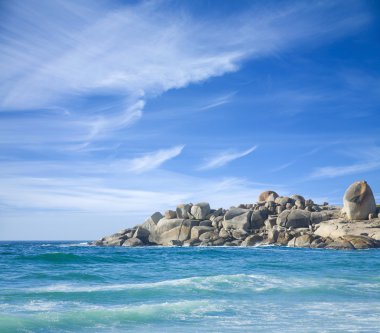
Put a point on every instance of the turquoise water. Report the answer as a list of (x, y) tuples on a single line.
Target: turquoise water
[(63, 287)]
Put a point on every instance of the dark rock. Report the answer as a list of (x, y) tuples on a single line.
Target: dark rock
[(142, 234), (252, 240), (294, 218), (205, 223), (257, 220)]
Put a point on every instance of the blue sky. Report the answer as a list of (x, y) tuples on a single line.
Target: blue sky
[(110, 111)]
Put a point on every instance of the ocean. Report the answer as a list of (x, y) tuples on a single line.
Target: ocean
[(70, 287)]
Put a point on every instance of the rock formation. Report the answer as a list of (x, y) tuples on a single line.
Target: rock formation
[(279, 220), (358, 201)]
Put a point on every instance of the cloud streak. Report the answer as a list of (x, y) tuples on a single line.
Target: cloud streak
[(153, 160), (225, 158), (338, 171)]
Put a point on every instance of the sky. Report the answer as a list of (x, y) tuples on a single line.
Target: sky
[(112, 110)]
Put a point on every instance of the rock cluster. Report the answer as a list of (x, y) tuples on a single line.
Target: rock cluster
[(279, 220)]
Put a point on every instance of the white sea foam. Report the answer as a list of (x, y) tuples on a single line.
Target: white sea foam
[(255, 283), (65, 245)]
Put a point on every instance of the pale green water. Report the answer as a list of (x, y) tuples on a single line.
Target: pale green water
[(62, 287)]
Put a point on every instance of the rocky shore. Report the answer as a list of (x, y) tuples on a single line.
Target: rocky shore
[(278, 220)]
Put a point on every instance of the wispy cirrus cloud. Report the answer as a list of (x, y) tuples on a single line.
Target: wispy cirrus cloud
[(337, 171), (369, 161), (225, 158), (153, 160), (227, 98)]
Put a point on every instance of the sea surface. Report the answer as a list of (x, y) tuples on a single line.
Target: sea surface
[(71, 287)]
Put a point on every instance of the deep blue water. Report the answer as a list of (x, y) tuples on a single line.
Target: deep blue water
[(68, 287)]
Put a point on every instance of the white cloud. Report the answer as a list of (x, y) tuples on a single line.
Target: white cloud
[(153, 160), (138, 50), (337, 171), (108, 189), (56, 53), (102, 124), (227, 98), (225, 158)]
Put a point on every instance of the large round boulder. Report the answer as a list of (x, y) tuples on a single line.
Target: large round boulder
[(358, 201), (268, 196)]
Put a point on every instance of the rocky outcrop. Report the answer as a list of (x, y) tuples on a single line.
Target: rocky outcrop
[(340, 228), (358, 201), (276, 220)]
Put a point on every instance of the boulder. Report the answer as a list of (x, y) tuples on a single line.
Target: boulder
[(178, 231), (270, 222), (165, 224), (197, 231), (150, 224), (282, 201), (268, 196), (234, 212), (318, 217), (142, 234), (317, 244), (174, 243), (340, 244), (218, 242), (299, 204), (301, 241), (208, 236), (257, 220), (205, 223), (272, 236), (191, 242), (223, 233), (200, 210), (284, 237), (115, 242), (183, 211), (297, 197), (132, 242), (294, 218), (239, 234), (361, 242), (339, 228), (170, 214), (252, 240), (237, 218), (358, 201)]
